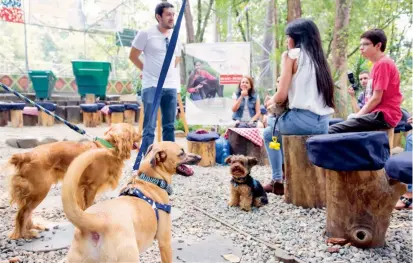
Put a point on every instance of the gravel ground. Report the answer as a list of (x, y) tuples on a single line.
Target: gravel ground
[(293, 229)]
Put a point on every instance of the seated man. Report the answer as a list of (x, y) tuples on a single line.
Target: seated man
[(382, 110), (365, 94)]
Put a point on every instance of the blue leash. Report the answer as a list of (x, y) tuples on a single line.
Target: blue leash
[(70, 125), (164, 71)]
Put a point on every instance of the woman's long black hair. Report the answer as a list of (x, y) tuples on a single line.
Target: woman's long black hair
[(306, 36)]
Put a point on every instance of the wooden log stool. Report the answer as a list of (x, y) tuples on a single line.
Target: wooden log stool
[(90, 114), (130, 113), (30, 116), (360, 197), (44, 118), (100, 114), (73, 114), (305, 183), (116, 113), (240, 144), (203, 144), (4, 114), (16, 114)]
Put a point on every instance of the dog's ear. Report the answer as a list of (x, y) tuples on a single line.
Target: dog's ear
[(158, 157), (252, 161), (228, 159)]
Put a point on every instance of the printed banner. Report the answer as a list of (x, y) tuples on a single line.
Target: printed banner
[(213, 72), (11, 11)]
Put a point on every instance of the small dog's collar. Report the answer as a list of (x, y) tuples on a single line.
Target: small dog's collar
[(159, 182), (239, 181)]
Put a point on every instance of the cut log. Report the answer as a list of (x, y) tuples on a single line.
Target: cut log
[(90, 98), (16, 118), (45, 119), (90, 119), (130, 116), (116, 117), (359, 206), (397, 141), (204, 149), (4, 118), (30, 120), (305, 183), (73, 114), (241, 145)]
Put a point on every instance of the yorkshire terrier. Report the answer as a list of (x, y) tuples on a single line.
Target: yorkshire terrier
[(245, 190)]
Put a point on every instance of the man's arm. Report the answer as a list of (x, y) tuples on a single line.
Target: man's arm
[(177, 61), (134, 57), (372, 102)]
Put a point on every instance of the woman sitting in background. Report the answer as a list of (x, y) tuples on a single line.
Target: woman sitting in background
[(246, 109)]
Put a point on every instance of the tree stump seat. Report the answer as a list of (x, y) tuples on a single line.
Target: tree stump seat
[(30, 116), (399, 167), (116, 112), (73, 114), (130, 112), (305, 183), (44, 118), (16, 114), (100, 114), (359, 196), (203, 145), (90, 114), (241, 145)]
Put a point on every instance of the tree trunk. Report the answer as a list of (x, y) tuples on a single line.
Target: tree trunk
[(339, 52), (189, 22), (204, 149), (268, 43), (294, 10), (305, 183), (359, 206), (276, 44)]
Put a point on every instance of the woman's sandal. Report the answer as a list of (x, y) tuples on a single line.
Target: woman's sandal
[(407, 203)]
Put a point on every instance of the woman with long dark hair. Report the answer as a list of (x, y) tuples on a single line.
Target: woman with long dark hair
[(307, 85)]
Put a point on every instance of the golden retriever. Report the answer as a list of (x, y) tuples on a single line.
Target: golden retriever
[(36, 171)]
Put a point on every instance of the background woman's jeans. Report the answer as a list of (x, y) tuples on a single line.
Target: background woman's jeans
[(294, 122)]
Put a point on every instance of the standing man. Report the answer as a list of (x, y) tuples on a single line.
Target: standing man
[(382, 110), (153, 43)]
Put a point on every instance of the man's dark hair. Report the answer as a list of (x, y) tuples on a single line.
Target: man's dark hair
[(376, 36), (159, 8), (364, 72)]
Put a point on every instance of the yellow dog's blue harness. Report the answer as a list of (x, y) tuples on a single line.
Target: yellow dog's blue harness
[(155, 205)]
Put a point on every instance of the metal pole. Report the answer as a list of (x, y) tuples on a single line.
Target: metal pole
[(25, 37)]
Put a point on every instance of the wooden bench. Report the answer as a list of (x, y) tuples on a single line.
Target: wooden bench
[(359, 196)]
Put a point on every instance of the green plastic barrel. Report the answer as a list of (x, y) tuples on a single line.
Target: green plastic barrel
[(91, 76), (43, 83)]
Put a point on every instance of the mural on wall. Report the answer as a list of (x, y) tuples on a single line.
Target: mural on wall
[(22, 83)]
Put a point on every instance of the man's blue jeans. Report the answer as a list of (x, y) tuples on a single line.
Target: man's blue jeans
[(294, 122), (168, 109)]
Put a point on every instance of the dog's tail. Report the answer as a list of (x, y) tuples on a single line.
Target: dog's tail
[(81, 219), (14, 170)]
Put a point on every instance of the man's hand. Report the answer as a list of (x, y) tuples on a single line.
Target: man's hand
[(135, 173), (351, 91)]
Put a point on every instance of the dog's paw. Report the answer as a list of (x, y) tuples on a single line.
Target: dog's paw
[(246, 208), (14, 235), (39, 227), (231, 203)]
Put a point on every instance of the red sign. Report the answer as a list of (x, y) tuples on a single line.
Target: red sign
[(230, 79)]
